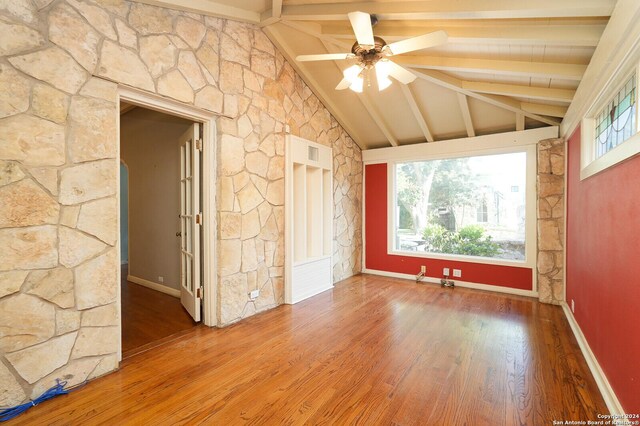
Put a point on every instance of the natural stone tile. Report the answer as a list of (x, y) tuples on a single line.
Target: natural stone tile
[(76, 247), (22, 38), (37, 361), (266, 299), (269, 231), (226, 195), (97, 281), (96, 16), (188, 66), (546, 262), (252, 81), (117, 7), (230, 105), (10, 172), (41, 4), (106, 365), (249, 198), (53, 285), (94, 341), (260, 183), (262, 42), (250, 224), (88, 181), (275, 192), (557, 165), (25, 204), (24, 321), (126, 36), (175, 86), (10, 282), (49, 103), (240, 180), (120, 64), (249, 256), (549, 235), (14, 96), (93, 132), (258, 163), (230, 257), (239, 32), (47, 177), (29, 248), (276, 168), (234, 292), (230, 225), (231, 155), (100, 89), (210, 60), (74, 373), (68, 30), (231, 80), (190, 31), (150, 19), (158, 53), (32, 141), (550, 185), (54, 66), (99, 218), (232, 51), (11, 393), (209, 98), (69, 216), (101, 316), (67, 320), (263, 63), (20, 10)]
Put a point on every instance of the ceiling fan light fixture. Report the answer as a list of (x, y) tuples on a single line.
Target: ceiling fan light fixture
[(382, 74), (357, 85)]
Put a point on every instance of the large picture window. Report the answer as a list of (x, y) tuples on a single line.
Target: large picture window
[(467, 206)]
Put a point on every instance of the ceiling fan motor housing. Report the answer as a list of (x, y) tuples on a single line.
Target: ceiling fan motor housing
[(369, 56)]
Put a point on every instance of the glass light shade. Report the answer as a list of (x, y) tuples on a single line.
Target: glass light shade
[(357, 84), (352, 72), (382, 74)]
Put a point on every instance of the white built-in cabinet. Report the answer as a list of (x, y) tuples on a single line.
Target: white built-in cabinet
[(308, 218)]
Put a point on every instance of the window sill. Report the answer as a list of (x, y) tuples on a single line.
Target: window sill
[(620, 153), (463, 258)]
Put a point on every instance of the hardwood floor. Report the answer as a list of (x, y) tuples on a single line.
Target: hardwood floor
[(371, 351), (149, 317)]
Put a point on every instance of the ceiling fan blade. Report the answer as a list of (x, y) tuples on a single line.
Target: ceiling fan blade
[(361, 23), (417, 43), (344, 84), (401, 74), (324, 57)]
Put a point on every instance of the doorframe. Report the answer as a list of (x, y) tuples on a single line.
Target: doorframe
[(209, 132)]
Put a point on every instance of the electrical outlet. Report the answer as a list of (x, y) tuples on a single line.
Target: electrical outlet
[(445, 272), (573, 306), (254, 294), (423, 269), (160, 279), (457, 273)]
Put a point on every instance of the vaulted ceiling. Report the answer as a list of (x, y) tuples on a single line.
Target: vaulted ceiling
[(508, 64)]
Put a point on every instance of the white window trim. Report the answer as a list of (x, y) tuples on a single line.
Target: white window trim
[(530, 213), (589, 164)]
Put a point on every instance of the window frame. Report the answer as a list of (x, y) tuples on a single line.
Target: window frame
[(530, 209), (589, 163)]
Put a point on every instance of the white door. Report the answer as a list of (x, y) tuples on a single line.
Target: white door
[(190, 220)]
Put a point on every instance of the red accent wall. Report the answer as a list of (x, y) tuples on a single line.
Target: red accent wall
[(376, 245), (603, 268)]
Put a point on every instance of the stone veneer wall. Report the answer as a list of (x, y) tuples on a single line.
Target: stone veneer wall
[(551, 154), (58, 168)]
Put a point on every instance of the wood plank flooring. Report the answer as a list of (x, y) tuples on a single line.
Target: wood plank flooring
[(371, 351), (149, 317)]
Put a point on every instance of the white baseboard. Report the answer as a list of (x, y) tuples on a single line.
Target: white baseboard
[(154, 286), (434, 280), (605, 388)]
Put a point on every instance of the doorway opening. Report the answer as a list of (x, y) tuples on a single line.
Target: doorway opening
[(161, 232)]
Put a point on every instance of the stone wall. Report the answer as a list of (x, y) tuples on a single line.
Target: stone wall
[(551, 188), (58, 145)]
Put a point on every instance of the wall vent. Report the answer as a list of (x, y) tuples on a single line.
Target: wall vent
[(313, 153)]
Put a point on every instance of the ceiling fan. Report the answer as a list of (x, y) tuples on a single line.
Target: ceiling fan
[(371, 52)]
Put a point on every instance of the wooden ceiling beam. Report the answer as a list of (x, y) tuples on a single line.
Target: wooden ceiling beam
[(514, 34), (515, 90), (276, 37), (378, 118), (492, 66), (460, 9), (503, 102), (419, 116), (520, 124), (207, 7), (542, 109), (466, 114)]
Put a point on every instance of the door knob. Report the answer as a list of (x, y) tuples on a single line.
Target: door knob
[(178, 234)]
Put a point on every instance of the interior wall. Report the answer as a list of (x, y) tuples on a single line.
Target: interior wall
[(124, 214), (603, 242), (150, 148), (61, 67)]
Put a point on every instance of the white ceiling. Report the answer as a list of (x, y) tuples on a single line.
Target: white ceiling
[(506, 64)]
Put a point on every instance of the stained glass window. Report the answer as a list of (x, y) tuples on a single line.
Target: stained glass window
[(616, 122)]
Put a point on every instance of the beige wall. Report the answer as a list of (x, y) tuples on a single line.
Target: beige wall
[(58, 171), (149, 146)]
